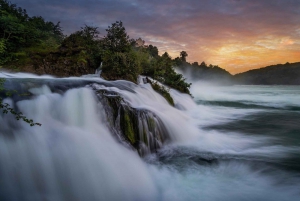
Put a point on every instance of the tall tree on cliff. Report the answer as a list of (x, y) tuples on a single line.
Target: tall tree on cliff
[(116, 39), (183, 55), (119, 60)]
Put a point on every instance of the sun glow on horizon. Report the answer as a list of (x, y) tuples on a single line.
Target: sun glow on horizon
[(240, 56)]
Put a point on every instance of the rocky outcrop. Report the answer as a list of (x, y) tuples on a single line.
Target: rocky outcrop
[(139, 128)]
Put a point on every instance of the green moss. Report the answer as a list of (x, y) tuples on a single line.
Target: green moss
[(163, 91), (128, 129), (151, 123), (114, 104)]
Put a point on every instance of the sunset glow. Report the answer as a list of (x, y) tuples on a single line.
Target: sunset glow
[(236, 35)]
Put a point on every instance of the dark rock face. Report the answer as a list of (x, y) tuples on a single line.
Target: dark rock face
[(139, 128), (281, 74)]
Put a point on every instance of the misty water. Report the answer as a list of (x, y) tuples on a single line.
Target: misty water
[(227, 143)]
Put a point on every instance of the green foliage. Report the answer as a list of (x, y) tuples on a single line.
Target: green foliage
[(84, 45), (2, 46), (153, 51), (161, 69), (120, 61), (32, 41), (118, 65), (18, 32), (6, 108), (163, 91), (128, 129), (116, 39)]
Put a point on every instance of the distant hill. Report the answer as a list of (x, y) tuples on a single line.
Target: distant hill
[(280, 74), (212, 74)]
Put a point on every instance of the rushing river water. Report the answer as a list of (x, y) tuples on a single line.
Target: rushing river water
[(228, 143)]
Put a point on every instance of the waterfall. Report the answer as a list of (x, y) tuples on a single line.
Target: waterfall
[(72, 156), (82, 151), (99, 70), (116, 140)]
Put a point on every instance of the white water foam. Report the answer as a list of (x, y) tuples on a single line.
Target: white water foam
[(73, 156)]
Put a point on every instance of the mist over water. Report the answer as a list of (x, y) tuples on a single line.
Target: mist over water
[(228, 143)]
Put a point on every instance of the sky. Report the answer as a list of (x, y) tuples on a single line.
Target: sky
[(237, 35)]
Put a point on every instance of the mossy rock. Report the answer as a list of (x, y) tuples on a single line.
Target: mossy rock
[(128, 129), (129, 125), (163, 91)]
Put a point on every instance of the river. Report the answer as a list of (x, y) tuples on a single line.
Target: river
[(226, 143)]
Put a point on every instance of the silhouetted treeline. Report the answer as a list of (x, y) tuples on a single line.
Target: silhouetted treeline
[(280, 74), (202, 72)]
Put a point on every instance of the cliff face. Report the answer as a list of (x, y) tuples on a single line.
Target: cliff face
[(281, 74)]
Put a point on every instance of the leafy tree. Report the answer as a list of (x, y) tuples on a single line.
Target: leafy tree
[(164, 72), (153, 51), (22, 35), (195, 64), (203, 64), (121, 65), (177, 61), (183, 55), (120, 61), (85, 45), (78, 54), (116, 39)]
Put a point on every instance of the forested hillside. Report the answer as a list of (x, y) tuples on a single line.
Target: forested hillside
[(280, 74)]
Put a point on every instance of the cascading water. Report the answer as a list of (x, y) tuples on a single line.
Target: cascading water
[(82, 152), (72, 156)]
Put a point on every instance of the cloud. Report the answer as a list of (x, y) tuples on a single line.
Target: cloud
[(235, 34)]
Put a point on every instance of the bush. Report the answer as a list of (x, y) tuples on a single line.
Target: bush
[(117, 65)]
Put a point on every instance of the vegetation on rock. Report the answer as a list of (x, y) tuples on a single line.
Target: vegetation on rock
[(35, 45), (6, 108), (162, 91)]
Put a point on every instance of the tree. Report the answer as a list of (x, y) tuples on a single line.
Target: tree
[(116, 39), (195, 63), (203, 64), (84, 44), (120, 61), (121, 65), (183, 55), (21, 35), (153, 51), (177, 61)]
